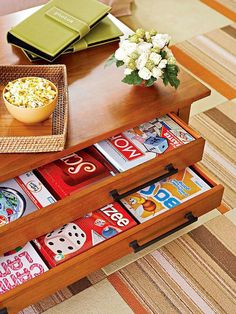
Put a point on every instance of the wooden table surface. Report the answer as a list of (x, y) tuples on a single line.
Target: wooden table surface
[(100, 104)]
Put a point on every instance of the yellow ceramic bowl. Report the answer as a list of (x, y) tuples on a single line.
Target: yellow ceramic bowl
[(32, 115)]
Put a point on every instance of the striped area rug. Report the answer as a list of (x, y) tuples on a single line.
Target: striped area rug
[(65, 294), (218, 127), (194, 274), (225, 7), (212, 57)]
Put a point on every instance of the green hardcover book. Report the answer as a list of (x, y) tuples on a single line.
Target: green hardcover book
[(105, 32), (56, 26)]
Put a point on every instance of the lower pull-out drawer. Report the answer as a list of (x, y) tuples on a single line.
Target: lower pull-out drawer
[(134, 239)]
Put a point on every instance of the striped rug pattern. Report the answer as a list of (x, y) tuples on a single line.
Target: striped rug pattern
[(225, 7), (212, 57), (194, 274), (65, 294), (218, 127)]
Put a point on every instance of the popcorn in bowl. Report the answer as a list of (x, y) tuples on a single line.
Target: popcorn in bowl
[(30, 99), (30, 92)]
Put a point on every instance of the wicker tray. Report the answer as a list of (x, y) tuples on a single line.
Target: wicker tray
[(50, 135)]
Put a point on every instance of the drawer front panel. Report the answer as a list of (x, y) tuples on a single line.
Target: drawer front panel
[(108, 251)]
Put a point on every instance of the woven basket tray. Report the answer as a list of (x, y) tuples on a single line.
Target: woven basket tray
[(48, 136)]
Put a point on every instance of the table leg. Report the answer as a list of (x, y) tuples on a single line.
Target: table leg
[(184, 113)]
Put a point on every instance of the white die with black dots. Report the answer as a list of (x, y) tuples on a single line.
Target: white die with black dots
[(65, 240)]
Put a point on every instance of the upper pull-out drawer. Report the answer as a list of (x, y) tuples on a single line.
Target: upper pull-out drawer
[(99, 194), (106, 252)]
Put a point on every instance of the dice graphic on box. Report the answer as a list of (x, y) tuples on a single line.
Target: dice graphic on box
[(156, 144), (65, 240)]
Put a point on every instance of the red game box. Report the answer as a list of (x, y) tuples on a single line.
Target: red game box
[(75, 171), (84, 233)]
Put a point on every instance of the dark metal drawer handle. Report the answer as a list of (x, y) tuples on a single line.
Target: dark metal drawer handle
[(189, 216), (170, 171)]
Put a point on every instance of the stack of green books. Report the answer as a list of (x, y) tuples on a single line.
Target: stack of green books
[(61, 27)]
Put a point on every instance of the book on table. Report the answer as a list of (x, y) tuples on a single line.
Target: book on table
[(56, 26), (104, 32)]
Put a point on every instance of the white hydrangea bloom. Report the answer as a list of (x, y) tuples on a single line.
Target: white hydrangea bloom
[(162, 64), (126, 60), (120, 54), (155, 57), (156, 72), (145, 74), (128, 71), (161, 40), (128, 47), (142, 60), (144, 47)]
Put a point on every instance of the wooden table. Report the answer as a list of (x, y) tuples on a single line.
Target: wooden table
[(100, 104)]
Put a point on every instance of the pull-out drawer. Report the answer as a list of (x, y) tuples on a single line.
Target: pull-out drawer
[(134, 239), (98, 194)]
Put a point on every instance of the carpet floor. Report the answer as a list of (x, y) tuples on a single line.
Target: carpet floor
[(193, 271)]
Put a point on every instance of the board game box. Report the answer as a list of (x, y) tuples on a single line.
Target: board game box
[(147, 141), (38, 192), (75, 171), (84, 233), (21, 196), (19, 266), (164, 195)]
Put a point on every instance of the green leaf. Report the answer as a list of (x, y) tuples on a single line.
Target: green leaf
[(175, 83), (110, 60), (132, 79), (119, 63), (170, 75), (165, 81), (150, 82), (163, 54), (172, 68)]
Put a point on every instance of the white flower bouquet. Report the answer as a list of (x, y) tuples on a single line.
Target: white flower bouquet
[(146, 58)]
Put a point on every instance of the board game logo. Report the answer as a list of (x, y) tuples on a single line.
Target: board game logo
[(75, 163), (125, 147), (79, 167), (115, 215), (33, 186)]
